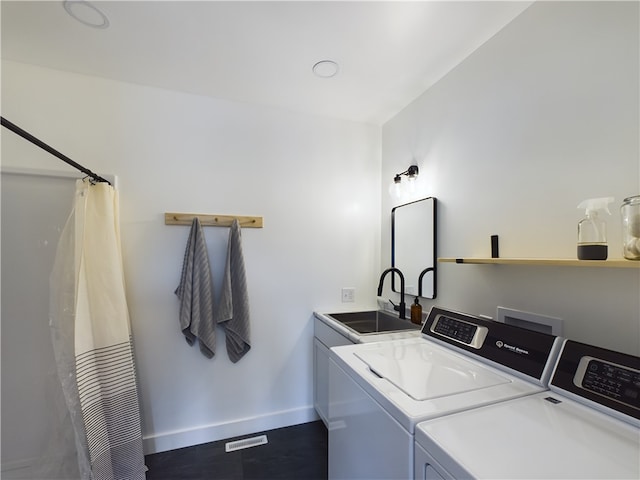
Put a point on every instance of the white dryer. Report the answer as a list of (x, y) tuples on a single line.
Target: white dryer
[(587, 426), (379, 392)]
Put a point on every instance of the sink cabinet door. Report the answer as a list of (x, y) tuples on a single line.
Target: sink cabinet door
[(321, 380), (321, 366)]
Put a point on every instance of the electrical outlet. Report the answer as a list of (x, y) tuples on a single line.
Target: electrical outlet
[(348, 294)]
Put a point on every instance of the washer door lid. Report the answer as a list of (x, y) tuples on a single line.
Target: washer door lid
[(423, 373)]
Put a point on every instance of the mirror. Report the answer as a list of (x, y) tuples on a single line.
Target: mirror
[(413, 247)]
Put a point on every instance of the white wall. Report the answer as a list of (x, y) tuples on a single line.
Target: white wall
[(542, 116), (315, 182)]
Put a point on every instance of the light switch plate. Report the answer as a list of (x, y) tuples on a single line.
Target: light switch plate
[(348, 295)]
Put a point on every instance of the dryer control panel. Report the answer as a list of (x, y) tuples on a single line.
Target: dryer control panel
[(599, 375), (608, 379)]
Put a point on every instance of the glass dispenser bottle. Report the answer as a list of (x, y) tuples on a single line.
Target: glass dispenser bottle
[(630, 212)]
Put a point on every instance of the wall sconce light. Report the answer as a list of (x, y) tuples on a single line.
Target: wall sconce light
[(411, 173)]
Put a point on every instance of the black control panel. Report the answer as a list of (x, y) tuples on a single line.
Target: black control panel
[(519, 349), (600, 375), (455, 329), (612, 381)]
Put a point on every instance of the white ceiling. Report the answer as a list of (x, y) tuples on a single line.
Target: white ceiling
[(263, 52)]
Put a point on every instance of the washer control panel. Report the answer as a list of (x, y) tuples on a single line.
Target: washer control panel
[(514, 348), (608, 379), (459, 330)]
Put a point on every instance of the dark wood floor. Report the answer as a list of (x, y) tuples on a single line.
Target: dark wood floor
[(298, 452)]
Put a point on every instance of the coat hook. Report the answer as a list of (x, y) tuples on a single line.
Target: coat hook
[(211, 220)]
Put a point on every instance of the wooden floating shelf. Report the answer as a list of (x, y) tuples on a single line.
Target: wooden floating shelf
[(208, 220), (559, 262)]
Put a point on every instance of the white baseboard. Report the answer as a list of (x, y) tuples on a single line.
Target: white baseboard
[(221, 431)]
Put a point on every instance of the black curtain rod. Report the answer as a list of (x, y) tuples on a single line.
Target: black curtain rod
[(27, 136)]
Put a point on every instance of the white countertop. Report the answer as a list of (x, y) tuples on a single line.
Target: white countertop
[(364, 338)]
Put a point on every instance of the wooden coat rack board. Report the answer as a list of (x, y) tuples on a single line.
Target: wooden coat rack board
[(211, 220)]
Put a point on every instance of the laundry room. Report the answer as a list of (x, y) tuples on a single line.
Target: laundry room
[(516, 113)]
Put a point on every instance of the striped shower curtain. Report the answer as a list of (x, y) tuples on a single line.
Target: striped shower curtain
[(91, 335)]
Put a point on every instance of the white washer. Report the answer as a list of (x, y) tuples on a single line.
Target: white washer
[(379, 392), (586, 426)]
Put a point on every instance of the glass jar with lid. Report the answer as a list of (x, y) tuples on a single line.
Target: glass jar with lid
[(630, 212)]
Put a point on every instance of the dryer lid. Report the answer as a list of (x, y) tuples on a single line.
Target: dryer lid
[(425, 373)]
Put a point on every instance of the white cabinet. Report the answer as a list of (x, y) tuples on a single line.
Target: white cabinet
[(325, 338)]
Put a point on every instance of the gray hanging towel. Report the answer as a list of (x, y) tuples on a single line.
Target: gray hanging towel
[(196, 293), (233, 314)]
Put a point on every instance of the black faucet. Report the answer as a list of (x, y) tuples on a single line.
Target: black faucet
[(400, 308), (422, 273)]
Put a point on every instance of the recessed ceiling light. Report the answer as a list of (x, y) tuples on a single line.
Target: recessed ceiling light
[(326, 68), (86, 13)]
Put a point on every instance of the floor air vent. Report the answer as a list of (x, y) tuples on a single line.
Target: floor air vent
[(245, 443)]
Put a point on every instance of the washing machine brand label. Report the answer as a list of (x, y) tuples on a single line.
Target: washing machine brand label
[(512, 348)]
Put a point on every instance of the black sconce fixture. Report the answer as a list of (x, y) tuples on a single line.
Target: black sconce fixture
[(411, 172), (395, 189)]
